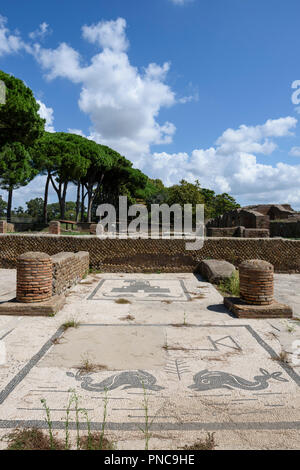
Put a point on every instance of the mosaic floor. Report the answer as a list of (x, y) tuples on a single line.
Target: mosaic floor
[(173, 344)]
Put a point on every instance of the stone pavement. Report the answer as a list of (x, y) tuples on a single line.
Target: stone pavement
[(166, 338), (287, 290)]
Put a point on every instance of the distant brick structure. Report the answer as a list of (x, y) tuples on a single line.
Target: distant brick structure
[(3, 226), (34, 277), (259, 218), (256, 233), (225, 231), (93, 229), (54, 227), (240, 232), (240, 218), (257, 282)]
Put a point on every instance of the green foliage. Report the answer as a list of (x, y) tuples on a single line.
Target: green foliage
[(19, 118), (216, 205), (15, 166), (35, 208), (185, 193), (15, 169), (224, 203), (3, 207), (54, 211), (231, 285), (20, 126)]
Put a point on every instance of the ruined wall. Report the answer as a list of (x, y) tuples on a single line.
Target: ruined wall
[(241, 217), (286, 229), (148, 255), (68, 269)]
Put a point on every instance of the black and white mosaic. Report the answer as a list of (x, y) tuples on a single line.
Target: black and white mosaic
[(141, 290)]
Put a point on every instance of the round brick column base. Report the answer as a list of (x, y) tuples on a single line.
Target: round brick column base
[(54, 227), (34, 277), (257, 282)]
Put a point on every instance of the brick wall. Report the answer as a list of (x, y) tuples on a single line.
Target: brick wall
[(288, 229), (68, 269), (241, 217), (142, 255), (256, 233), (217, 232)]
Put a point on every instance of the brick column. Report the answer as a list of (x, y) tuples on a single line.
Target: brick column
[(257, 282), (96, 229), (3, 226), (54, 227), (93, 229), (34, 277)]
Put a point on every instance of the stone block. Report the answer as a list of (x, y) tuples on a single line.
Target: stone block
[(216, 271)]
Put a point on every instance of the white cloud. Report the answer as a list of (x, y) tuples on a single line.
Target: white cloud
[(295, 151), (122, 101), (46, 113), (231, 166), (255, 138), (10, 43), (107, 34), (41, 32), (77, 132)]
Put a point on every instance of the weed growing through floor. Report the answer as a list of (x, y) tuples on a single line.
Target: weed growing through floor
[(36, 439), (166, 346), (72, 323), (282, 357), (49, 423), (231, 285), (146, 429), (104, 420), (31, 439), (95, 271), (122, 301), (86, 366), (67, 423), (208, 443), (128, 317)]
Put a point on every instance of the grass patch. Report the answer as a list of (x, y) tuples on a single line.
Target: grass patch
[(95, 441), (208, 443), (95, 271), (282, 357), (88, 366), (35, 439), (231, 286), (122, 301), (70, 324), (32, 439)]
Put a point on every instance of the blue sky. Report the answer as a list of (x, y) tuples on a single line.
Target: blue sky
[(185, 89)]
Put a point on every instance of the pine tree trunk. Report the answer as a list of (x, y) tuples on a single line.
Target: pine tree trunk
[(89, 212), (82, 203), (78, 202), (45, 212), (9, 204), (63, 200)]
